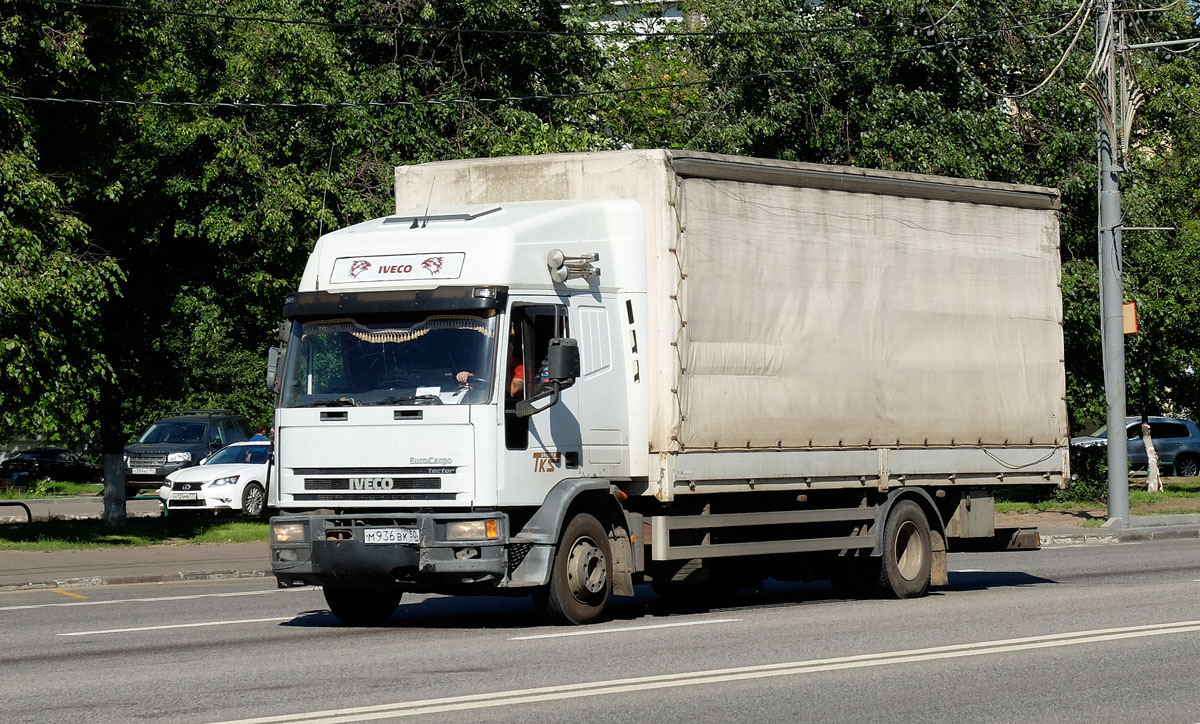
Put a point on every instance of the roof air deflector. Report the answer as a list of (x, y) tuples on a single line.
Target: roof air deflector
[(439, 217)]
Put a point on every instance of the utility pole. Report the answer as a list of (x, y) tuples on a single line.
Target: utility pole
[(1109, 243)]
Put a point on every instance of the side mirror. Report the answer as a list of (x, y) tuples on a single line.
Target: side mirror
[(562, 367), (562, 359), (273, 357)]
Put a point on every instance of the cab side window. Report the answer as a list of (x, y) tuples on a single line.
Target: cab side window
[(532, 329)]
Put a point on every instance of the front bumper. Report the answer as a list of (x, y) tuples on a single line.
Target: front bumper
[(160, 473), (219, 499), (333, 551)]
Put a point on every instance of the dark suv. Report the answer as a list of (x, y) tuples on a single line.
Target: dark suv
[(179, 440), (1176, 441)]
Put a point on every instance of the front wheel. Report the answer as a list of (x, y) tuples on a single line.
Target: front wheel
[(254, 500), (907, 552), (361, 606), (581, 582)]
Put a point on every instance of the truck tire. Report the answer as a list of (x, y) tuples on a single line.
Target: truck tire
[(907, 553), (581, 581), (361, 606)]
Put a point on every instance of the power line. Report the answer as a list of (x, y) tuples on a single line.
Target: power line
[(1082, 16), (505, 31), (499, 99)]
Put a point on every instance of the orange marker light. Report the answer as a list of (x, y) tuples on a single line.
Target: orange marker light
[(493, 528)]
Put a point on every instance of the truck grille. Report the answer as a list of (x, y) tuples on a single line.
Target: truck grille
[(375, 496), (393, 484), (147, 461)]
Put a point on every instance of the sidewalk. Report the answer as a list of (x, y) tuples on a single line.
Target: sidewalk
[(58, 569), (144, 564)]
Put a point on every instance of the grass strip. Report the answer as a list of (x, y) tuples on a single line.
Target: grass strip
[(49, 489), (55, 535)]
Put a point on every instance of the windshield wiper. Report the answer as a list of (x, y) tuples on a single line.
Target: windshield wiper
[(415, 399), (339, 402)]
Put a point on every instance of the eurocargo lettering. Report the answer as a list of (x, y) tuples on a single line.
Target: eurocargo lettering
[(582, 372)]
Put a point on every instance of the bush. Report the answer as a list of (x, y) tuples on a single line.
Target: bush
[(1089, 475)]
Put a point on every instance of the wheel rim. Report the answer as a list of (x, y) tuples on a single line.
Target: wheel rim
[(910, 554), (253, 504), (587, 571)]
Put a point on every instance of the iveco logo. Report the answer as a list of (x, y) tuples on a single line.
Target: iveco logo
[(371, 483)]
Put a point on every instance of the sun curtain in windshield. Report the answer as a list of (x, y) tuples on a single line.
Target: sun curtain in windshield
[(438, 359)]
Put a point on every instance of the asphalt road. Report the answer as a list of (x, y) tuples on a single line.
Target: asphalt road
[(1086, 634)]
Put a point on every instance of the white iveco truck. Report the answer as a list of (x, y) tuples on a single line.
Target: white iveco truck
[(565, 375)]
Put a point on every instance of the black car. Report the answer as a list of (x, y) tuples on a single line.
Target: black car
[(179, 440), (50, 463)]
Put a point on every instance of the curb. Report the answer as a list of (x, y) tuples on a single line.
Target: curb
[(1127, 535), (150, 578)]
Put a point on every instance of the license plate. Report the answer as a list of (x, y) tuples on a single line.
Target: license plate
[(144, 471), (185, 496), (391, 535)]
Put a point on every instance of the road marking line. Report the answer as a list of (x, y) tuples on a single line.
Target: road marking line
[(693, 678), (67, 593), (155, 599), (593, 632), (967, 570), (177, 625)]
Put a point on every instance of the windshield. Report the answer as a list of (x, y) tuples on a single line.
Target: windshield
[(251, 454), (182, 432), (439, 359)]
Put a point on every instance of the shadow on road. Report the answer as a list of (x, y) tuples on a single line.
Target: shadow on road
[(981, 581), (499, 612)]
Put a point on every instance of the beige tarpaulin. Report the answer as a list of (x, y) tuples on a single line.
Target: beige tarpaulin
[(828, 318)]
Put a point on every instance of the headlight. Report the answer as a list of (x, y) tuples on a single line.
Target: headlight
[(473, 529), (126, 460), (225, 481), (288, 532), (180, 457)]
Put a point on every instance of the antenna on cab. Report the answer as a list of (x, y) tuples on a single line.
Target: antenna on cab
[(425, 216)]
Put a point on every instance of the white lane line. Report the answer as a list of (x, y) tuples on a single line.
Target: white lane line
[(140, 600), (713, 676), (967, 570), (176, 625), (594, 632)]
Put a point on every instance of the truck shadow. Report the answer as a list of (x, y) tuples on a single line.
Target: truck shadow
[(501, 612)]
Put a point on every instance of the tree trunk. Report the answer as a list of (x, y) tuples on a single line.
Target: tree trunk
[(1153, 481)]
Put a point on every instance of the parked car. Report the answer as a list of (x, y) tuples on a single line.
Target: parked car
[(179, 440), (1176, 441), (50, 463), (234, 478)]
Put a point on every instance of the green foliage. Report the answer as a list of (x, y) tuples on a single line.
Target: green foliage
[(145, 251), (1089, 475)]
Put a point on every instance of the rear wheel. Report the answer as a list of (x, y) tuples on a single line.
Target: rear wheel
[(581, 582), (254, 500), (1187, 466), (361, 606), (907, 553)]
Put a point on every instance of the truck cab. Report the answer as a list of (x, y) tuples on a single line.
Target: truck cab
[(433, 394)]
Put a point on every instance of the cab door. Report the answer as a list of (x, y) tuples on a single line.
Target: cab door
[(547, 446)]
